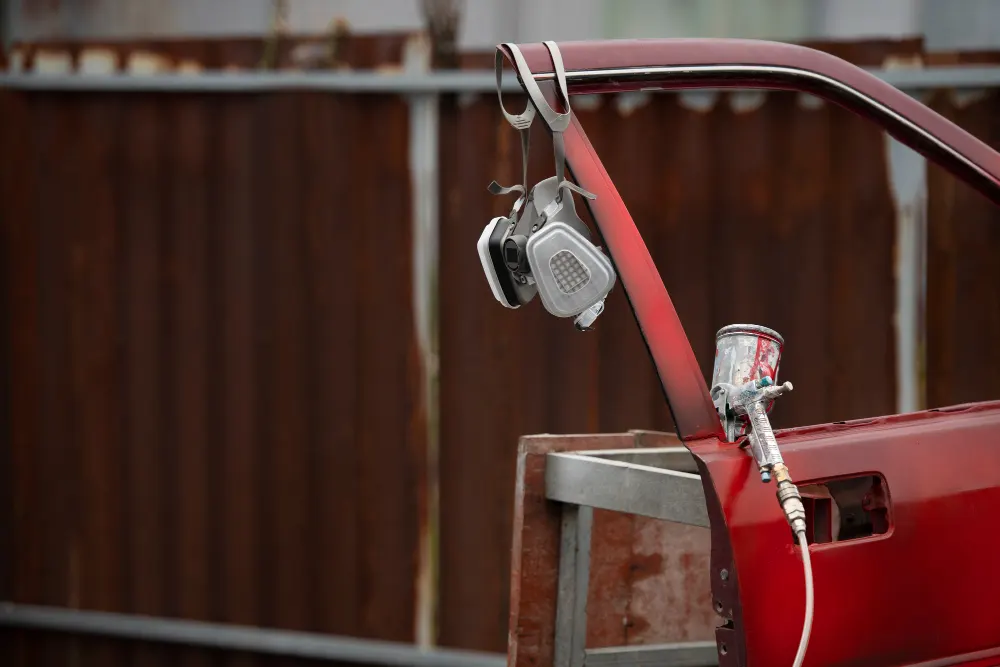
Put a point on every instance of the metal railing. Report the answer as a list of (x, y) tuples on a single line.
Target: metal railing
[(266, 641), (439, 82)]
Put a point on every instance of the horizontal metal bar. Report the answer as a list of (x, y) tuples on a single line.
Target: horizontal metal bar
[(239, 638), (262, 82), (685, 654), (625, 487), (669, 458), (470, 81), (958, 76)]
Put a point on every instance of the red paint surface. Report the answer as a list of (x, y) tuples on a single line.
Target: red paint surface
[(924, 591)]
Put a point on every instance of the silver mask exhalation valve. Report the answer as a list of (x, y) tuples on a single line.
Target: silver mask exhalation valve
[(744, 386), (585, 320)]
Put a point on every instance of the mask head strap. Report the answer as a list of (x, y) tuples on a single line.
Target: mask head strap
[(522, 123), (557, 122)]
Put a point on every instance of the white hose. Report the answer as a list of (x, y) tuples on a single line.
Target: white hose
[(800, 656)]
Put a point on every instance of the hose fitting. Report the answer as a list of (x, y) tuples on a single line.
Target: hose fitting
[(790, 499)]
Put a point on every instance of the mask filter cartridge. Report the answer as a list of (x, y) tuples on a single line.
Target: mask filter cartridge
[(571, 275)]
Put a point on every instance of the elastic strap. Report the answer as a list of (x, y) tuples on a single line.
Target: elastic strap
[(522, 123), (557, 122), (560, 150)]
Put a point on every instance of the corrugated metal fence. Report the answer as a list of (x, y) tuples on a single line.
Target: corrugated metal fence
[(216, 396), (214, 400)]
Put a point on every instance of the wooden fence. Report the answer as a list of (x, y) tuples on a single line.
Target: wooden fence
[(214, 397)]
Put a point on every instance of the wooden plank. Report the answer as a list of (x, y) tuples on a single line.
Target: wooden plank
[(670, 597), (392, 445), (97, 365), (621, 127), (142, 319), (238, 486), (57, 132), (192, 395), (22, 244), (502, 361), (861, 296), (476, 450), (534, 569), (334, 293), (802, 220), (679, 210), (963, 274), (281, 291)]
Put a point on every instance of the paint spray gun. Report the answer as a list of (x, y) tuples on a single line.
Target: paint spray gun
[(744, 388)]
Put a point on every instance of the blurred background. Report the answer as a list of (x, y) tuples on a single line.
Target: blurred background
[(253, 373)]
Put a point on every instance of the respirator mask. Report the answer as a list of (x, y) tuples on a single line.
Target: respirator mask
[(543, 246)]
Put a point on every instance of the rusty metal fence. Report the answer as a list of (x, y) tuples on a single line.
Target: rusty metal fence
[(253, 374)]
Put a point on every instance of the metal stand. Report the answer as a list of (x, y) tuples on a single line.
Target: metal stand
[(661, 483)]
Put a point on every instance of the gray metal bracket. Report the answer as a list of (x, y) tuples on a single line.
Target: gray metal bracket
[(661, 483)]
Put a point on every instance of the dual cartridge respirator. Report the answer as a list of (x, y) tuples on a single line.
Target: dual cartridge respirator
[(543, 246)]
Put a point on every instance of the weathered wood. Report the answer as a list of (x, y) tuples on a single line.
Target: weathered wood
[(670, 596), (649, 579), (535, 555)]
